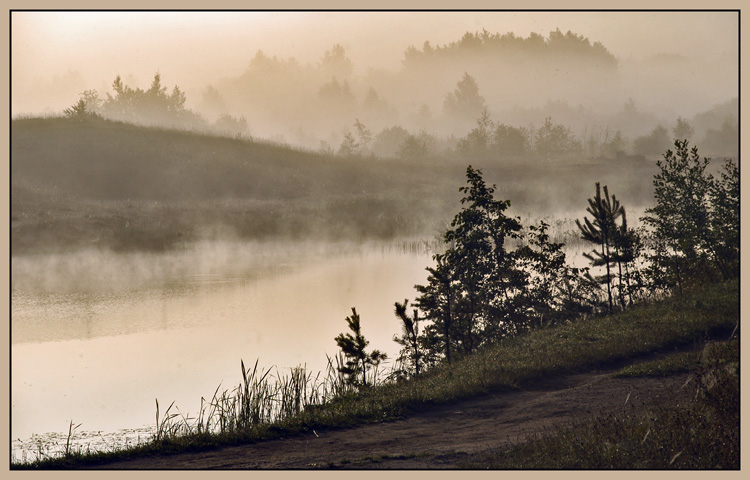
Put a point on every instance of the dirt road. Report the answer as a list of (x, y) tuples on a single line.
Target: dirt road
[(440, 437)]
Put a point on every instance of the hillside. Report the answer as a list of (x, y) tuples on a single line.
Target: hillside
[(99, 183)]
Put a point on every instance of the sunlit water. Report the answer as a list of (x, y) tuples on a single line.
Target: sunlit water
[(97, 336)]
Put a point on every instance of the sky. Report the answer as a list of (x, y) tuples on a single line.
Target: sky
[(197, 47)]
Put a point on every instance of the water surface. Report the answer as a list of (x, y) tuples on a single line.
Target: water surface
[(98, 336)]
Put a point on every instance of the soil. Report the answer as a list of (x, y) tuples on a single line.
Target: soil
[(440, 437)]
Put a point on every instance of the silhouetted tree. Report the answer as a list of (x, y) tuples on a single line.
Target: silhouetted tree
[(358, 360), (473, 293), (681, 219), (547, 272), (79, 111), (724, 195), (601, 231), (409, 339), (437, 300)]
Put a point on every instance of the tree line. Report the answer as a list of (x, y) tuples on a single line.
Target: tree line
[(497, 46), (550, 140), (496, 277), (159, 106)]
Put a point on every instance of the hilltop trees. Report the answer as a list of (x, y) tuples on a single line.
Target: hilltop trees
[(486, 46), (80, 110), (153, 105)]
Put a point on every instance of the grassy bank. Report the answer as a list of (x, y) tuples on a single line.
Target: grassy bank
[(700, 434), (513, 363)]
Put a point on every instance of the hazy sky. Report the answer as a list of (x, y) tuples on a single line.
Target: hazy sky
[(198, 47)]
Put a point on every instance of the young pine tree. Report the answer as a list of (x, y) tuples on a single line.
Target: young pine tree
[(358, 361), (601, 231), (472, 295), (409, 339)]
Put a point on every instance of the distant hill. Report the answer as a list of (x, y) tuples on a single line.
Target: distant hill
[(94, 182), (107, 160)]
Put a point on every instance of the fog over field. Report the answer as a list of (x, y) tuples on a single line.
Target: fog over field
[(304, 78)]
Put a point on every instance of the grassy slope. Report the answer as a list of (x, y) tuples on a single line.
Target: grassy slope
[(699, 434), (107, 184), (513, 363), (127, 187)]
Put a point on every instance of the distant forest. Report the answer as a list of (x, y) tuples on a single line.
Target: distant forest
[(478, 97)]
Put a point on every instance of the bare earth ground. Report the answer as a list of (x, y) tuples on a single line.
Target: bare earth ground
[(440, 437)]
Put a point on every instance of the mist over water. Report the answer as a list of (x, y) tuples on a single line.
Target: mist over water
[(148, 261), (101, 354)]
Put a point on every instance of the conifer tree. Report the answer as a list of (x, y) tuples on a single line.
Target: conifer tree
[(409, 338), (437, 300), (473, 293), (601, 231), (353, 347)]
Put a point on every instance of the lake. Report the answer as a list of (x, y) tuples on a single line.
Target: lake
[(98, 336)]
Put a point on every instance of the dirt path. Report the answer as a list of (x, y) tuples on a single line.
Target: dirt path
[(439, 437)]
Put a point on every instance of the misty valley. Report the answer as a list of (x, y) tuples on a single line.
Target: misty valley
[(197, 253)]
